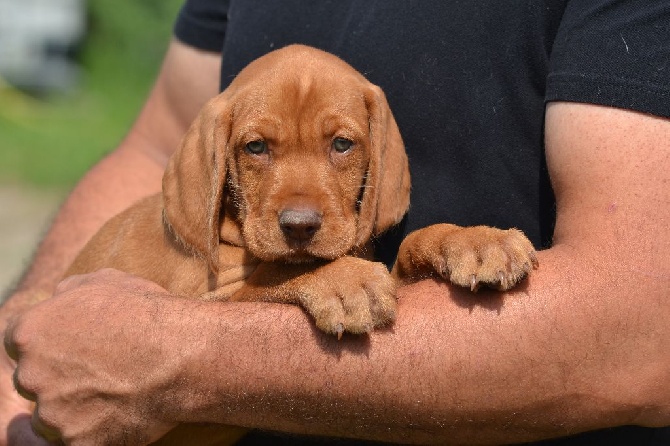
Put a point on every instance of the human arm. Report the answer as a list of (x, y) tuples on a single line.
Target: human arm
[(582, 345), (187, 79)]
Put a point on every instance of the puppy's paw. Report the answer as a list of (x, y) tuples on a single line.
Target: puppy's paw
[(467, 256), (350, 295), (481, 255)]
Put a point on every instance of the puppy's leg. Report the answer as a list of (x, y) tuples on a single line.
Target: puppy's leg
[(466, 256), (347, 294)]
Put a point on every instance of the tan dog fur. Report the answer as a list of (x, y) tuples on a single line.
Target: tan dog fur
[(214, 232)]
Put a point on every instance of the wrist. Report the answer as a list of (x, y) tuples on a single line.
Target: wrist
[(195, 353), (180, 385), (227, 361)]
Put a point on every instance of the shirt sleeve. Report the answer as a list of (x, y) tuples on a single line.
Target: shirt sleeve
[(614, 53), (202, 24)]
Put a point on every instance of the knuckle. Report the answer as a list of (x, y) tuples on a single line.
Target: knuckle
[(24, 386), (16, 338), (68, 283), (78, 280), (45, 424)]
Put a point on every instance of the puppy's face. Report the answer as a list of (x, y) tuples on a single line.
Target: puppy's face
[(299, 158), (298, 155)]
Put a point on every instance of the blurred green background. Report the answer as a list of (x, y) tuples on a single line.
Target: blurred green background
[(48, 142)]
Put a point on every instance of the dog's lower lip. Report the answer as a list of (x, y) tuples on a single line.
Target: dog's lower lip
[(299, 252), (298, 245), (300, 257)]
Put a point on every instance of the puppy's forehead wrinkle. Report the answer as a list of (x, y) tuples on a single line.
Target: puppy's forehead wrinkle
[(285, 84)]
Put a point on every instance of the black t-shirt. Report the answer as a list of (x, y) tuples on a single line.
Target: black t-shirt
[(468, 82)]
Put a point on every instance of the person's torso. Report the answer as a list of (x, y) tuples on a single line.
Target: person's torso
[(464, 83)]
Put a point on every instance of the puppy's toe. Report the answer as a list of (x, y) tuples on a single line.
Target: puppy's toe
[(328, 312), (381, 292), (358, 314), (349, 312)]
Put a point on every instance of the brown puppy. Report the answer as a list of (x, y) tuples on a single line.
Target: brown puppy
[(274, 195), (280, 179)]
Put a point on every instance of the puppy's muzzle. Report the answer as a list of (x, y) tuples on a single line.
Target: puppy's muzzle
[(300, 225)]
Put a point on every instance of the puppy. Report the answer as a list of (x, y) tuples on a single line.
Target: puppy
[(274, 195)]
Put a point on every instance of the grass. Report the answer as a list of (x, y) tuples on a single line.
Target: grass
[(51, 142)]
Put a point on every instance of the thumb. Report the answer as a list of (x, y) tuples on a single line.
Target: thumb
[(20, 433)]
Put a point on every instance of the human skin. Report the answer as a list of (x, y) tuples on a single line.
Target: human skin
[(581, 345), (188, 78)]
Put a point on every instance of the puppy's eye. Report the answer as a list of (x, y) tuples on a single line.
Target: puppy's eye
[(256, 147), (342, 145)]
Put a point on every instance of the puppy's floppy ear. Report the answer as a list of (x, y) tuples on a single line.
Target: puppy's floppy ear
[(193, 182), (385, 197)]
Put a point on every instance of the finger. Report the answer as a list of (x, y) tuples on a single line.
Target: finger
[(42, 429), (20, 389), (70, 283), (20, 432), (10, 346), (75, 281), (106, 276)]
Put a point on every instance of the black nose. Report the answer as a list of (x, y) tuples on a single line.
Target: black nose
[(300, 225)]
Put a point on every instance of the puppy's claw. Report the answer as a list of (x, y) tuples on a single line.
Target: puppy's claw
[(533, 258), (474, 286), (501, 279), (339, 330)]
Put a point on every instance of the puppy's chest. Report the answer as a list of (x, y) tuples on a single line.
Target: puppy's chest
[(236, 264)]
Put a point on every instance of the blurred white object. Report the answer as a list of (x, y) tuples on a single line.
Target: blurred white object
[(36, 38)]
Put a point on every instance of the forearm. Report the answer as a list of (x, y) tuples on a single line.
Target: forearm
[(547, 360), (188, 78), (106, 190), (582, 345)]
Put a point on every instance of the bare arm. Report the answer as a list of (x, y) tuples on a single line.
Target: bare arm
[(582, 346), (187, 79)]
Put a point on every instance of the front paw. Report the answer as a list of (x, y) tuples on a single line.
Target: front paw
[(350, 295), (467, 256)]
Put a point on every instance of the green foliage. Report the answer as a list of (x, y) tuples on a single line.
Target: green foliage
[(52, 141)]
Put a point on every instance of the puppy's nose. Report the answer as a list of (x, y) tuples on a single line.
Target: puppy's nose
[(300, 225)]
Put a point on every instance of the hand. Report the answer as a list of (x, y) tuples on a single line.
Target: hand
[(94, 359), (15, 411)]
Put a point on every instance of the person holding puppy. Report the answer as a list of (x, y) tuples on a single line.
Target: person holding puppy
[(551, 117)]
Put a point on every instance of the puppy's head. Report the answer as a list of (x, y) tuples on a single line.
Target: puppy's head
[(299, 158)]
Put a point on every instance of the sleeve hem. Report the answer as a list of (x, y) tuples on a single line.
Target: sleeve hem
[(201, 34), (602, 90)]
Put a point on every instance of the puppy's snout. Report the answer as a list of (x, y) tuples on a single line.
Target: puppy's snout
[(300, 225)]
